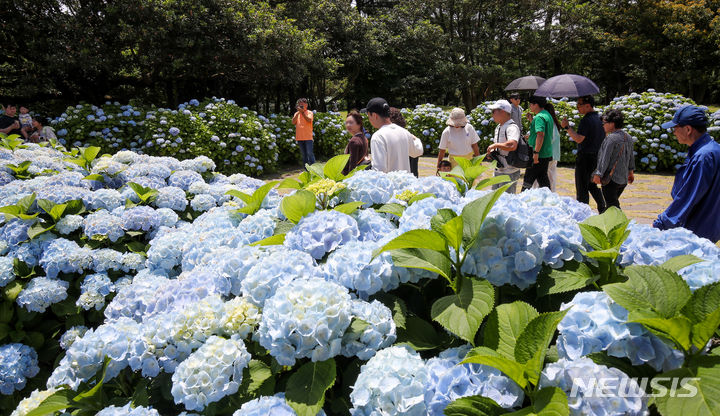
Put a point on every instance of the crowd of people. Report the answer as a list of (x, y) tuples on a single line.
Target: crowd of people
[(604, 165), (24, 125)]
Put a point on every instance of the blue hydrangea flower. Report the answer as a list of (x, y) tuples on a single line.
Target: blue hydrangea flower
[(268, 405), (212, 372), (379, 334), (372, 225), (698, 275), (203, 202), (93, 290), (127, 410), (108, 199), (418, 215), (352, 266), (441, 188), (184, 178), (508, 251), (31, 403), (165, 251), (391, 383), (69, 224), (166, 217), (448, 381), (322, 232), (105, 259), (42, 292), (276, 270), (7, 271), (15, 231), (171, 197), (595, 323), (103, 224), (578, 376), (259, 226), (67, 339), (305, 318), (648, 245), (133, 300), (369, 186), (18, 362), (141, 218), (65, 256)]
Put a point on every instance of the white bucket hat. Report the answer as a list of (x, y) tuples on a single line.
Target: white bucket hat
[(457, 118), (502, 105)]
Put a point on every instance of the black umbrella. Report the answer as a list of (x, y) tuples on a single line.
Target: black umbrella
[(567, 85), (528, 83)]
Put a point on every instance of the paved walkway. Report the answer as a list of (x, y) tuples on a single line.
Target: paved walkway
[(642, 201)]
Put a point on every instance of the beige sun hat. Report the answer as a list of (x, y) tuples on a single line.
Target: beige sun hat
[(457, 118)]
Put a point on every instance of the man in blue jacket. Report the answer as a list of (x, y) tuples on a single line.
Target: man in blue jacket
[(696, 191)]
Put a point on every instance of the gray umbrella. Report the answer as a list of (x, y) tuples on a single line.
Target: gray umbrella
[(567, 85), (528, 83)]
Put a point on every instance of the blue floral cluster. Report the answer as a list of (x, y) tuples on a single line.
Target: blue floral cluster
[(268, 405), (322, 232), (42, 292), (93, 291), (18, 362), (128, 410)]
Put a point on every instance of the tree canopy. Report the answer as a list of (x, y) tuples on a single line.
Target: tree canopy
[(265, 54)]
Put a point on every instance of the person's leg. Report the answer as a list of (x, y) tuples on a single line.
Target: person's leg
[(414, 166), (301, 146), (581, 181), (542, 178), (309, 150), (610, 196), (531, 175), (552, 174), (514, 177), (595, 190)]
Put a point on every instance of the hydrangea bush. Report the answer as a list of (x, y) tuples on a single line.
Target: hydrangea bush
[(138, 284)]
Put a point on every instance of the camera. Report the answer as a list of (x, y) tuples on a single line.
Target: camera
[(497, 157)]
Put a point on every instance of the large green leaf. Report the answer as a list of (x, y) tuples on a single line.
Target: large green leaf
[(315, 169), (298, 205), (274, 240), (573, 276), (453, 232), (333, 168), (419, 334), (612, 218), (704, 330), (550, 401), (594, 236), (57, 402), (678, 263), (289, 183), (697, 393), (474, 214), (26, 202), (422, 258), (703, 302), (676, 329), (90, 153), (438, 220), (305, 391), (258, 376), (416, 239), (474, 406), (532, 344), (650, 288), (349, 207), (504, 326), (484, 183), (509, 367), (462, 312), (393, 208)]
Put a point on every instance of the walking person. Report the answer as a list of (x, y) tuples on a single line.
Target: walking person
[(695, 204), (397, 118), (616, 160), (552, 166), (589, 137), (517, 111), (459, 139), (540, 140), (507, 135), (357, 146), (391, 145), (303, 121)]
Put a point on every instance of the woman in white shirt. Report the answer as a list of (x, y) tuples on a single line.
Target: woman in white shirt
[(459, 138)]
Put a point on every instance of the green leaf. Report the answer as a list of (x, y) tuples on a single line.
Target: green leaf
[(253, 202), (316, 169), (422, 258), (703, 302), (441, 218), (140, 394), (419, 334), (504, 326), (419, 197), (26, 202), (394, 209), (92, 399), (703, 331), (509, 367), (259, 374), (283, 227), (95, 177), (594, 236), (90, 153), (333, 168), (651, 288), (676, 329), (289, 183), (239, 195), (415, 239), (488, 182), (462, 312), (551, 401), (608, 254), (275, 240), (678, 263), (57, 212), (298, 205), (533, 342), (74, 207), (136, 247), (474, 214), (349, 208), (306, 388), (573, 276), (355, 330), (12, 290), (453, 232), (474, 406), (612, 218), (57, 402), (697, 393), (37, 229)]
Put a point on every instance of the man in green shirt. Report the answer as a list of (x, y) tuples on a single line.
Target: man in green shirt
[(540, 140)]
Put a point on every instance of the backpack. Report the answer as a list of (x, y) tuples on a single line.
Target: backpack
[(522, 156)]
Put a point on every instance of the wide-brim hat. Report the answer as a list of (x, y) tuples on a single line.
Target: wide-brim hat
[(457, 118)]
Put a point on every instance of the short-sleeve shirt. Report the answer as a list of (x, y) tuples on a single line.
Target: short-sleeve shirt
[(507, 131), (591, 127), (542, 122), (304, 128), (7, 121), (458, 142)]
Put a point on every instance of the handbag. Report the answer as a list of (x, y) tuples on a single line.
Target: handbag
[(522, 156), (608, 177)]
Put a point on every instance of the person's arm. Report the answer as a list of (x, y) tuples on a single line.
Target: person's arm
[(607, 149), (295, 117), (307, 115), (539, 139), (574, 136), (507, 146), (474, 139), (441, 156), (442, 147), (378, 152), (415, 146), (476, 149), (695, 184)]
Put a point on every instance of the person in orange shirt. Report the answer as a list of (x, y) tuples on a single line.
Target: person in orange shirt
[(303, 121)]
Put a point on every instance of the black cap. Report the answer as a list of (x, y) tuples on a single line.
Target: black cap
[(378, 106)]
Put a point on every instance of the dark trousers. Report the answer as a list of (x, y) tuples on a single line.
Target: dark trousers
[(414, 166), (306, 150), (611, 192), (585, 165), (537, 172)]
